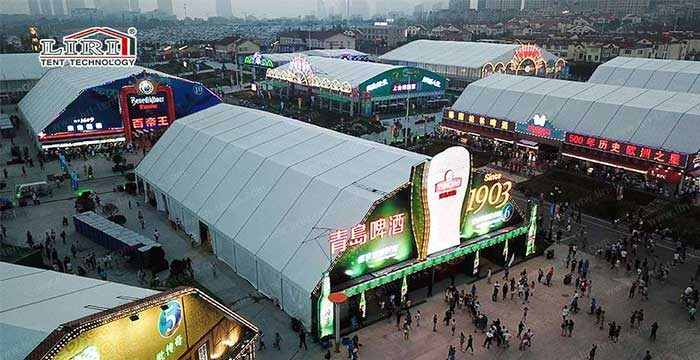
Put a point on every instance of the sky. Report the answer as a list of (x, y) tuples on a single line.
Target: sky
[(258, 8)]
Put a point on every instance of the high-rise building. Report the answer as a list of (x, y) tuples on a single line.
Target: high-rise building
[(134, 5), (624, 7), (74, 4), (502, 5), (34, 7), (458, 7), (418, 12), (58, 8), (538, 4), (321, 11), (46, 7), (165, 6), (223, 9)]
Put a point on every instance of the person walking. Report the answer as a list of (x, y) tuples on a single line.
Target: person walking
[(156, 234), (494, 297), (418, 316), (647, 356), (591, 354), (488, 276), (470, 344), (302, 339), (140, 217), (462, 338), (570, 327), (278, 340), (521, 327), (435, 321), (261, 340), (525, 309), (505, 290), (654, 329), (454, 326)]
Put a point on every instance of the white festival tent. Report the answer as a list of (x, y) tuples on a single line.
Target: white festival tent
[(269, 189)]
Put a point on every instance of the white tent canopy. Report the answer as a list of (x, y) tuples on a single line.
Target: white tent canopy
[(465, 54), (29, 313), (270, 189), (662, 119), (25, 66), (655, 74), (354, 72)]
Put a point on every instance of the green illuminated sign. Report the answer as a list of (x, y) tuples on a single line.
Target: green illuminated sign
[(325, 308), (489, 206), (532, 233), (406, 80), (384, 239)]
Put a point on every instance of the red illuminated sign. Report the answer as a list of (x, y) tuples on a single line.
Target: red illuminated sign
[(670, 176), (630, 150), (341, 239), (146, 107)]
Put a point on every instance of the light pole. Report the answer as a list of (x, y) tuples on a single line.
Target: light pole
[(408, 100)]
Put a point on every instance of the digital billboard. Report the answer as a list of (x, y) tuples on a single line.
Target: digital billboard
[(384, 239), (146, 106), (489, 206), (445, 205)]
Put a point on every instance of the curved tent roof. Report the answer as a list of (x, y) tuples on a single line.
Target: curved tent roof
[(28, 314), (331, 53), (271, 188), (354, 72), (656, 118), (671, 75), (59, 87), (466, 54)]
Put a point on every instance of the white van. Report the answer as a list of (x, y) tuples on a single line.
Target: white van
[(41, 188)]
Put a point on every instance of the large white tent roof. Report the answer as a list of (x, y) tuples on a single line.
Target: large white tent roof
[(671, 75), (24, 66), (274, 186), (34, 302), (333, 52), (454, 53), (61, 86), (354, 72), (655, 118)]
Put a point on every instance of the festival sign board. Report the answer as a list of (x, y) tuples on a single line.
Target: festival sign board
[(444, 205), (146, 106), (403, 80), (540, 126), (640, 152)]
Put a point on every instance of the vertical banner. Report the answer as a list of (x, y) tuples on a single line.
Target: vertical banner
[(505, 250), (531, 232), (404, 289), (363, 305), (476, 263), (325, 308)]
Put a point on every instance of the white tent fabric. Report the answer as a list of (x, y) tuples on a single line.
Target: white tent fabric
[(453, 53), (24, 66), (354, 72), (656, 74), (28, 314), (270, 188), (61, 86), (656, 118), (331, 53)]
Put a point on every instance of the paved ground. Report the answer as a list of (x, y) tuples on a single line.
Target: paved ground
[(677, 337)]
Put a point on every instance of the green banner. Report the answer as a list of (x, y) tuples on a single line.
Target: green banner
[(404, 80), (325, 309), (532, 232)]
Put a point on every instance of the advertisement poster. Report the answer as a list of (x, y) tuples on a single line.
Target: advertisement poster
[(489, 206), (146, 106), (446, 186), (387, 240), (325, 308), (124, 338)]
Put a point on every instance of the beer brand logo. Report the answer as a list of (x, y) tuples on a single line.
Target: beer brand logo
[(449, 186), (539, 119), (170, 319)]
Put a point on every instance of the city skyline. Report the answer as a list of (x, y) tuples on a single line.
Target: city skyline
[(260, 8)]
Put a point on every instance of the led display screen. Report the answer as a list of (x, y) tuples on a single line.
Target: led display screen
[(385, 239), (489, 206)]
